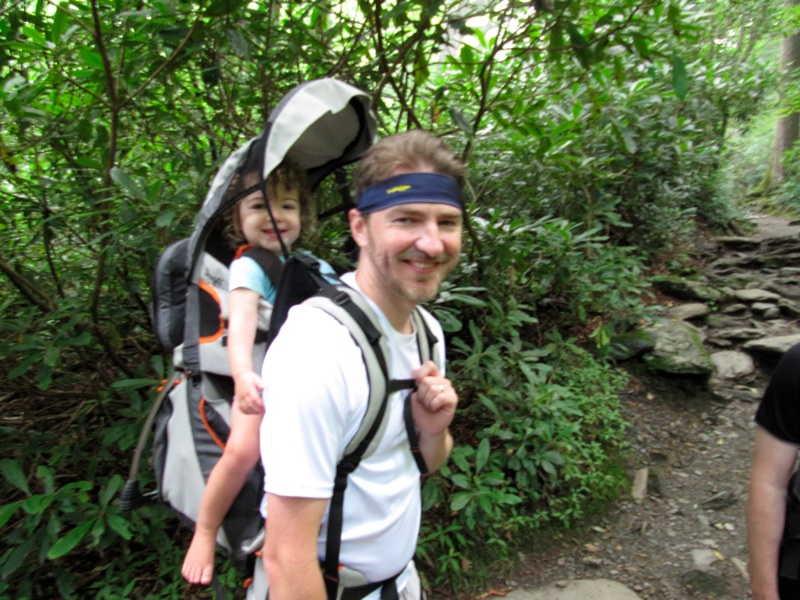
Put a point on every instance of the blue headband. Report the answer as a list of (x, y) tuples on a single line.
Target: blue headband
[(408, 188)]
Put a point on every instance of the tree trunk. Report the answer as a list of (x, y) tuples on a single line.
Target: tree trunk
[(788, 126)]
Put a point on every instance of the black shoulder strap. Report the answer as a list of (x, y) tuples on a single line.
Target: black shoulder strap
[(268, 261)]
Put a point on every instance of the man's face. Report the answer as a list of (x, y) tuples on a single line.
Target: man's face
[(409, 249)]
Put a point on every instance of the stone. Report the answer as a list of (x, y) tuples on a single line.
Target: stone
[(773, 345), (756, 295), (581, 589), (630, 344), (679, 350), (686, 312), (703, 558), (687, 289), (740, 333), (731, 364), (639, 489), (734, 309)]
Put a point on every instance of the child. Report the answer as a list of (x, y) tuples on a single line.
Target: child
[(248, 222)]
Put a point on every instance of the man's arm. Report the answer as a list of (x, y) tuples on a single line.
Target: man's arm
[(773, 461), (433, 407), (290, 550)]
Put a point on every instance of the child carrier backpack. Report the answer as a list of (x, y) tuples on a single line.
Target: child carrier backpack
[(321, 125)]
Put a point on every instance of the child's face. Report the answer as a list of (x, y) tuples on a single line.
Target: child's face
[(257, 226)]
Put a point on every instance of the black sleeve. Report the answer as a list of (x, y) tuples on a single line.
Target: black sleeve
[(779, 411)]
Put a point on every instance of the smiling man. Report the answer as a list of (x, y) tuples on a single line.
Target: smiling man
[(408, 227)]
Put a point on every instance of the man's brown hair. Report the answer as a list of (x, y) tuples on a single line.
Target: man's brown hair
[(415, 150)]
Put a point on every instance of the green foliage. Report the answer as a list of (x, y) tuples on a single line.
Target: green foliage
[(593, 133), (544, 446)]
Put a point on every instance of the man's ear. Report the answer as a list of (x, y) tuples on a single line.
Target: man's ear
[(358, 227)]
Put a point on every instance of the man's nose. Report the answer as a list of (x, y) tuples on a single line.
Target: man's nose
[(430, 240)]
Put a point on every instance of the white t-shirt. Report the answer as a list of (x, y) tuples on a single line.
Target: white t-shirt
[(315, 395)]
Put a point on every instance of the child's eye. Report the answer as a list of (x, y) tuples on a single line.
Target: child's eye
[(289, 205)]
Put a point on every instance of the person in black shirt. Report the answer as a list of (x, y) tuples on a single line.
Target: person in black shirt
[(774, 457)]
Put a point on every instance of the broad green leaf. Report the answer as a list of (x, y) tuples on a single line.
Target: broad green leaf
[(120, 526), (461, 121), (461, 481), (7, 511), (627, 138), (680, 81), (579, 45), (19, 555), (51, 355), (13, 473), (65, 544), (482, 455), (34, 36), (460, 461), (460, 500), (123, 179), (110, 490), (91, 58), (38, 503)]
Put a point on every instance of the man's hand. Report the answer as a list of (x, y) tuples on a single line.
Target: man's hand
[(433, 407), (248, 388)]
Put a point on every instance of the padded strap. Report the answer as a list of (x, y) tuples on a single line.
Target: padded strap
[(268, 261)]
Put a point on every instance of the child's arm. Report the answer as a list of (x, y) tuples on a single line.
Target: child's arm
[(242, 326)]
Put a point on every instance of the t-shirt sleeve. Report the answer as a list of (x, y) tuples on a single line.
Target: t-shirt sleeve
[(779, 411), (246, 273)]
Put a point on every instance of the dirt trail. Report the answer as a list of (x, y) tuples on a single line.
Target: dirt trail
[(686, 539)]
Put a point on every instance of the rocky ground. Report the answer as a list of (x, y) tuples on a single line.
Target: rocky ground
[(690, 444)]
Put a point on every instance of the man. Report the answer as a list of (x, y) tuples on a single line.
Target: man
[(408, 227), (774, 456)]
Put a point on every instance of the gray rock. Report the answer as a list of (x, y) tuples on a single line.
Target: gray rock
[(717, 321), (789, 307), (734, 309), (639, 489), (686, 312), (581, 589), (756, 295), (773, 345), (687, 289), (703, 558), (630, 344), (740, 333), (679, 350), (731, 364)]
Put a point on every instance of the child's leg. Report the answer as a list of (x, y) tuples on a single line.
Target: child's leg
[(227, 477)]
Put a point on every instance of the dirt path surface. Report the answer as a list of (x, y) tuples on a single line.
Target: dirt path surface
[(686, 538)]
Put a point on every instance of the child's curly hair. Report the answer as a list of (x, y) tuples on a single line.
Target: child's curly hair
[(290, 174)]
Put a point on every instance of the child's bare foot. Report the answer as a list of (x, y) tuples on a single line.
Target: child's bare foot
[(198, 566)]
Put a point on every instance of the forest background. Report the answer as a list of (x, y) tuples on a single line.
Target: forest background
[(601, 136)]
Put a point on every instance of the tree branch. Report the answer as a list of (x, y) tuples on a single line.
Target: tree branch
[(27, 288)]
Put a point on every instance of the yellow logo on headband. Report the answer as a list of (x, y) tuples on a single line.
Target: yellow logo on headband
[(398, 188)]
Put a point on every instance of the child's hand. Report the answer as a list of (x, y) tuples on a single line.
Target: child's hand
[(248, 393)]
